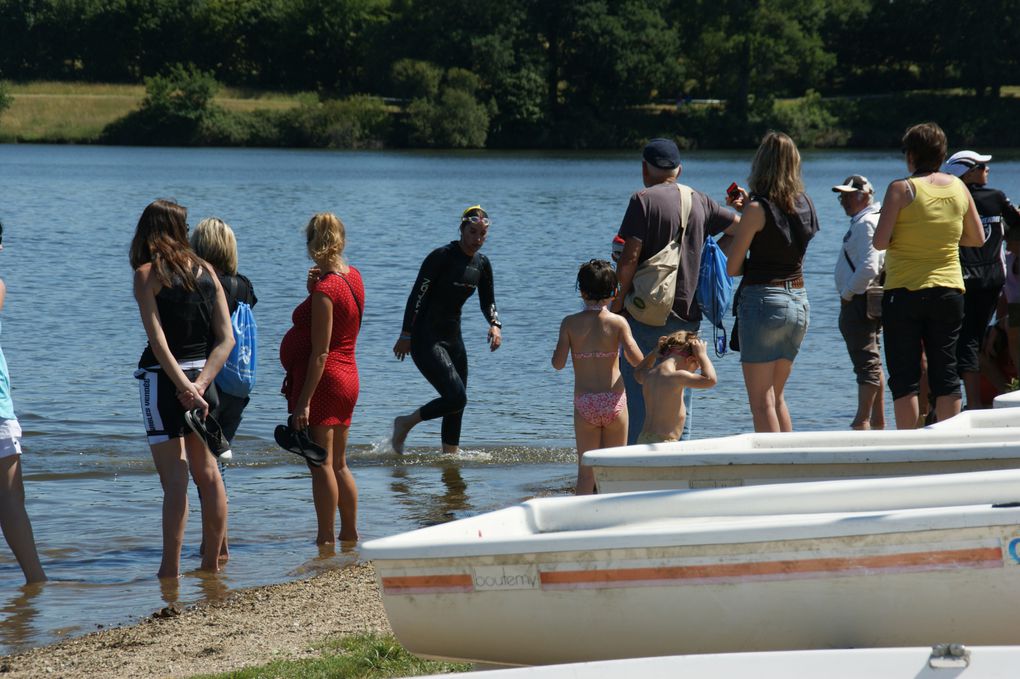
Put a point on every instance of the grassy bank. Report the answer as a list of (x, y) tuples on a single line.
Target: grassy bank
[(64, 112), (365, 656)]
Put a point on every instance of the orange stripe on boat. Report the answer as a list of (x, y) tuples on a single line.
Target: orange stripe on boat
[(457, 582), (832, 565)]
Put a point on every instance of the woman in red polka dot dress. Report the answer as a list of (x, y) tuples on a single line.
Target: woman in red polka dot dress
[(322, 376)]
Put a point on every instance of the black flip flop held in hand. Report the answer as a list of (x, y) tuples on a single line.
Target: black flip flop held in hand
[(298, 442), (208, 429)]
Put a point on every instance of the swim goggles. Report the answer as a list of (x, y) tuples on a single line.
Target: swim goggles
[(474, 219)]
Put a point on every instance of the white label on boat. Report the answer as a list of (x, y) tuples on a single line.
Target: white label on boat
[(715, 483), (505, 577)]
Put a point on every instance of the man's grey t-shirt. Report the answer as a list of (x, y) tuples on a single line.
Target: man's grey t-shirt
[(653, 217)]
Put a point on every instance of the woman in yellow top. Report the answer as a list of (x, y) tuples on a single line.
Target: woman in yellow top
[(925, 219)]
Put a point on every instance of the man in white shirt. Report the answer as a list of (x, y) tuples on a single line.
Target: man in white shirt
[(858, 269)]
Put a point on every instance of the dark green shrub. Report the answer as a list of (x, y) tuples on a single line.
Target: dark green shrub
[(242, 128), (183, 91), (359, 121), (175, 109), (463, 80), (455, 120), (808, 121), (416, 79)]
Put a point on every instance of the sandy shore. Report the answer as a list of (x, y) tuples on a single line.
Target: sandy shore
[(250, 627)]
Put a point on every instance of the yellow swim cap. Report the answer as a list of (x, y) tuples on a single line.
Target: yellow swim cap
[(473, 207)]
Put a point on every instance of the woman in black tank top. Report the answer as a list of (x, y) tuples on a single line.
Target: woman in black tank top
[(772, 313), (185, 317)]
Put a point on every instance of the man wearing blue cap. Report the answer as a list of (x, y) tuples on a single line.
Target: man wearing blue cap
[(652, 221)]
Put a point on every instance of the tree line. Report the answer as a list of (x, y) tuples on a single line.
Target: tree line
[(539, 72)]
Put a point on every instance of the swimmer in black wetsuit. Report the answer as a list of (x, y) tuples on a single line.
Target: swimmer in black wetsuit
[(431, 330)]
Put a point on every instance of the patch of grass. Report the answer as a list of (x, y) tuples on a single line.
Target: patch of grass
[(363, 656), (63, 117), (78, 112), (78, 88)]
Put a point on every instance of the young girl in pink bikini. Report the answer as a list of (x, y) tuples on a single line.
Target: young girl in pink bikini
[(594, 337)]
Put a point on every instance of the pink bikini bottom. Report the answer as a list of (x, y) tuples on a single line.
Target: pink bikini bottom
[(599, 409)]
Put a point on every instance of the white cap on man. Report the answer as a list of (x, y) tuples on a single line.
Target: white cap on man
[(961, 162), (855, 182)]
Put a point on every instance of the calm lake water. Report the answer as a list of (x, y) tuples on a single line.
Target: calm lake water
[(72, 338)]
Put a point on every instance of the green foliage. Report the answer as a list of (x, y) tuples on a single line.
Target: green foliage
[(176, 107), (248, 128), (414, 79), (359, 121), (444, 111), (879, 121), (809, 122), (616, 54), (366, 656), (741, 51), (5, 97), (455, 120), (567, 73), (463, 80), (183, 92)]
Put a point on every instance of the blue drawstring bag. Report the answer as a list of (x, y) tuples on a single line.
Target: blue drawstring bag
[(238, 374), (715, 291)]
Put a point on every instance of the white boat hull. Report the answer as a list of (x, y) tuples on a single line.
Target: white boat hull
[(1008, 400), (972, 441), (650, 574), (984, 662)]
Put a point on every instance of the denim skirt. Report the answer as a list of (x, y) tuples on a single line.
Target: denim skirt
[(773, 322)]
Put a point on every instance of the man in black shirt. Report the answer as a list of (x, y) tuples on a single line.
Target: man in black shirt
[(984, 271)]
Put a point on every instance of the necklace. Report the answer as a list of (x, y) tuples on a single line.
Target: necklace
[(591, 306)]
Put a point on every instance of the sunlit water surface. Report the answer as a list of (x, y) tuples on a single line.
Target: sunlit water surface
[(72, 338)]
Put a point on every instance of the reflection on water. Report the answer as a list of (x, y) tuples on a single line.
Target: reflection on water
[(416, 492), (454, 500), (170, 589), (19, 616), (211, 586)]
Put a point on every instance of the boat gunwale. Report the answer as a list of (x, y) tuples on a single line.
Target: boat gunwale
[(431, 543), (665, 456)]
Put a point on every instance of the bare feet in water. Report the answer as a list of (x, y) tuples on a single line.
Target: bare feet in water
[(401, 428)]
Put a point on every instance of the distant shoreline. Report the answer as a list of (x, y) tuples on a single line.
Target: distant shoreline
[(82, 113)]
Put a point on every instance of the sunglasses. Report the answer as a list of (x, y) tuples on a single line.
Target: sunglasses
[(475, 219), (981, 166)]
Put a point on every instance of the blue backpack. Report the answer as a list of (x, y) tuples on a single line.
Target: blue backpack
[(715, 291), (237, 377)]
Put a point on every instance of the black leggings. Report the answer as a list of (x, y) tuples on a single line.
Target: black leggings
[(443, 362), (914, 320), (978, 307)]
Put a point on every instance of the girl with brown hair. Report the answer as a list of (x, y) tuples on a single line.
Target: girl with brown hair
[(185, 317)]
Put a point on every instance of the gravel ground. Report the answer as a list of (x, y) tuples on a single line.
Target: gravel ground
[(250, 627)]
